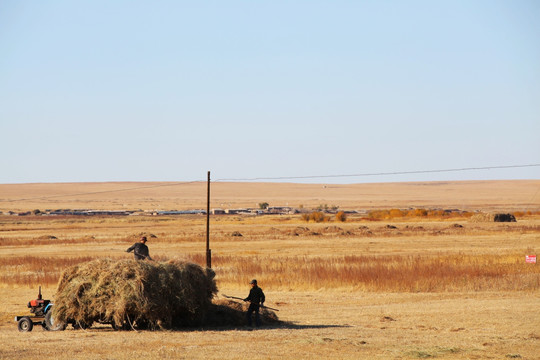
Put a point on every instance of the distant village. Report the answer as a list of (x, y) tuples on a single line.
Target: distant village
[(274, 210)]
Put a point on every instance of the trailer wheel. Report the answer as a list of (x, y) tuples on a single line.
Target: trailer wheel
[(25, 324), (52, 324)]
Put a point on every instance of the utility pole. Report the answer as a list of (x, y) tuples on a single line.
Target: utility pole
[(208, 251)]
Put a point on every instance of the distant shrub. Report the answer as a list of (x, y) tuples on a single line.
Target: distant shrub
[(305, 217), (341, 216), (418, 213), (318, 216), (396, 213), (377, 214)]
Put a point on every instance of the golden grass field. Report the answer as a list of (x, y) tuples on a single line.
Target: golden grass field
[(445, 288)]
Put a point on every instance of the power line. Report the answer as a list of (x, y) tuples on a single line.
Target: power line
[(379, 174)]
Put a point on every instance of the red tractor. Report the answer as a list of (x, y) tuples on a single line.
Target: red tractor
[(42, 310)]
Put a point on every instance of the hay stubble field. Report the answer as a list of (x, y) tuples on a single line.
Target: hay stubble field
[(400, 288)]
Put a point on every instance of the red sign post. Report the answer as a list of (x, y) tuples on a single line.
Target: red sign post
[(530, 259)]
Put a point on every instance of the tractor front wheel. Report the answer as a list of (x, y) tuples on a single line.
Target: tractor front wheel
[(25, 324), (52, 324)]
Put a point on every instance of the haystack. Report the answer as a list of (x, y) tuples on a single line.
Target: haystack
[(135, 294), (482, 217), (491, 217)]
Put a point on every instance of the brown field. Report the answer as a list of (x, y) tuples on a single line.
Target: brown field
[(398, 288), (514, 195)]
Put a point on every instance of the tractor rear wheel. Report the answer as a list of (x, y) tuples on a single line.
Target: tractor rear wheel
[(25, 324), (52, 324)]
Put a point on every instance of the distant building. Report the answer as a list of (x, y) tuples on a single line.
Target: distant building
[(182, 212), (280, 210)]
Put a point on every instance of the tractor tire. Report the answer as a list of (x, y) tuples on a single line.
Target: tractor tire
[(52, 324), (25, 324)]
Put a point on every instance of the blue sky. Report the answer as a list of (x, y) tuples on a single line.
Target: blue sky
[(168, 90)]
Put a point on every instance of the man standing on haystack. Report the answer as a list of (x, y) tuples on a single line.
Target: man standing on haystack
[(140, 250), (256, 299)]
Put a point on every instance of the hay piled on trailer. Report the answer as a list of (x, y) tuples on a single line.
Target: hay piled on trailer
[(135, 294)]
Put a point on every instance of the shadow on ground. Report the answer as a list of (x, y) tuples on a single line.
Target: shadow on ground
[(230, 315), (227, 315), (281, 325)]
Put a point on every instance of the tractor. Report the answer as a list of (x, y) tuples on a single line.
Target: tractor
[(42, 315)]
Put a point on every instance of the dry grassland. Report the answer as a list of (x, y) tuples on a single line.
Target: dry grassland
[(428, 288), (515, 195)]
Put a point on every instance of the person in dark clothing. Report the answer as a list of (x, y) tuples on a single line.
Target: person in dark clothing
[(256, 299), (140, 250)]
